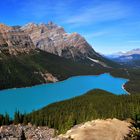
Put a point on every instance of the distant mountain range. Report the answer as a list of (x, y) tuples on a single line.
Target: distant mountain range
[(130, 58)]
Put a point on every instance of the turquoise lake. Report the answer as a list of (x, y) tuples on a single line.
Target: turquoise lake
[(36, 97)]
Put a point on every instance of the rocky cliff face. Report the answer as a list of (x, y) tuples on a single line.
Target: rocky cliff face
[(54, 39), (13, 39)]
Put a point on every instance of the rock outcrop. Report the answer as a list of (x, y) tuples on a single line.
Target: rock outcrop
[(14, 40), (17, 132), (48, 77), (110, 129)]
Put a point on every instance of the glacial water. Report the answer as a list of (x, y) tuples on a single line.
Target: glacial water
[(36, 97)]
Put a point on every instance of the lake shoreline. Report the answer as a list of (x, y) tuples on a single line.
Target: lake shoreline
[(44, 94)]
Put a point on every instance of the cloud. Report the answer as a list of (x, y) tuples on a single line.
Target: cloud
[(99, 13), (95, 34), (74, 12), (40, 9)]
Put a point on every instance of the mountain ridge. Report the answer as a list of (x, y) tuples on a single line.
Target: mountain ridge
[(53, 39), (130, 52), (130, 58), (14, 39)]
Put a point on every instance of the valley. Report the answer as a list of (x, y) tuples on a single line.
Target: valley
[(62, 79), (28, 69), (70, 70)]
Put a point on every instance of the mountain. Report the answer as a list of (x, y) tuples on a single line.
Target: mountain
[(35, 67), (35, 54), (134, 51), (54, 39), (130, 58), (14, 38), (128, 53)]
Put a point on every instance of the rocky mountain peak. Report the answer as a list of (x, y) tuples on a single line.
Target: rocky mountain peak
[(53, 38), (29, 26), (51, 25), (50, 38), (134, 51), (4, 28), (127, 53), (12, 39)]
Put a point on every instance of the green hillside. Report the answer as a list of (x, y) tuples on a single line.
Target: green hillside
[(24, 69), (96, 104)]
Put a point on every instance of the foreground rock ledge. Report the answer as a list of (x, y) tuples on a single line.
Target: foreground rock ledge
[(15, 132), (110, 129)]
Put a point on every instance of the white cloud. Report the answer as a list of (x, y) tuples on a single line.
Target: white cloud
[(99, 13), (96, 34), (68, 12), (45, 9)]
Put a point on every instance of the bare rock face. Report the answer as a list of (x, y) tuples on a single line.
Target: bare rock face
[(52, 38), (15, 132), (4, 28), (11, 38), (48, 77)]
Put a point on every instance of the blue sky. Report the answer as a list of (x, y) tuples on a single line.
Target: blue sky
[(108, 25)]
